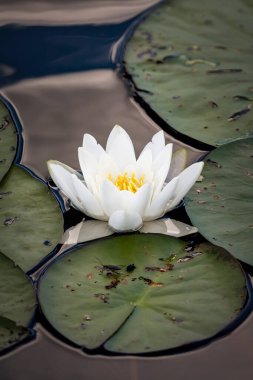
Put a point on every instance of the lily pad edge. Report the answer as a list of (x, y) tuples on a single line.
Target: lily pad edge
[(243, 314)]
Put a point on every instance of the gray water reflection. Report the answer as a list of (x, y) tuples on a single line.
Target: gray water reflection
[(47, 359), (56, 111), (65, 12)]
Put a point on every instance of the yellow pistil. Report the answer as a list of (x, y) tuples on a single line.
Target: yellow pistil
[(126, 182)]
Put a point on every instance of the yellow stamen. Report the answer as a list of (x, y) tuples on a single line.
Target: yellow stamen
[(126, 182)]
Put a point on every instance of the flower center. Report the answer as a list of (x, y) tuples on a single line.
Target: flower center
[(126, 182)]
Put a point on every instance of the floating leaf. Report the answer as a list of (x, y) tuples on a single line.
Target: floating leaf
[(8, 140), (141, 293), (31, 222), (11, 334), (189, 62), (221, 206), (17, 303)]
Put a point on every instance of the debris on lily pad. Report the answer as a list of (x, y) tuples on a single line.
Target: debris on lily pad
[(141, 293), (191, 64)]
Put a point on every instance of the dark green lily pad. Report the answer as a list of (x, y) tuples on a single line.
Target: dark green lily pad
[(17, 303), (11, 334), (8, 140), (192, 62), (142, 293), (221, 205), (31, 222)]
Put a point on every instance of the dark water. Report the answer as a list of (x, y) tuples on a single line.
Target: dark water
[(58, 67)]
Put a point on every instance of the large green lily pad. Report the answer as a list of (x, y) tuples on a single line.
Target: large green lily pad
[(142, 293), (8, 140), (221, 206), (31, 222), (17, 303), (191, 62)]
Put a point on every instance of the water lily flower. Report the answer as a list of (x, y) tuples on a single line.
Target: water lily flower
[(118, 188)]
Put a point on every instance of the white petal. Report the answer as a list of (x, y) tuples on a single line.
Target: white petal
[(130, 169), (123, 221), (89, 176), (186, 180), (148, 146), (159, 204), (158, 181), (86, 231), (120, 148), (106, 166), (111, 199), (161, 168), (62, 177), (178, 163), (117, 130), (169, 227), (88, 161), (141, 199), (159, 226), (90, 144), (144, 163), (88, 200), (127, 198), (164, 156), (67, 168), (158, 143)]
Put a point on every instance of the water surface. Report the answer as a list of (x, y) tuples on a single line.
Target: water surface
[(58, 69)]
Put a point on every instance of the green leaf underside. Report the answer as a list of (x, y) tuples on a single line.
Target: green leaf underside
[(31, 222), (152, 302), (17, 303), (8, 140), (192, 63), (221, 206)]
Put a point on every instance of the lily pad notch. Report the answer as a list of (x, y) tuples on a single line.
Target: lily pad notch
[(17, 306), (97, 295)]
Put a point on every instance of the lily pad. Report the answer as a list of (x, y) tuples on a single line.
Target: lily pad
[(11, 334), (191, 62), (141, 293), (17, 303), (221, 205), (8, 140), (31, 222)]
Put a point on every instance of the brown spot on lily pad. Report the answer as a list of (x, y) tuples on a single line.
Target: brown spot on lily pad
[(113, 284), (150, 282)]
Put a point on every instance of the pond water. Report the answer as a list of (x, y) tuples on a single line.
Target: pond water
[(59, 69)]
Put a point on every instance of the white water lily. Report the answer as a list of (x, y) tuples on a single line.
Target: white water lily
[(118, 188)]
